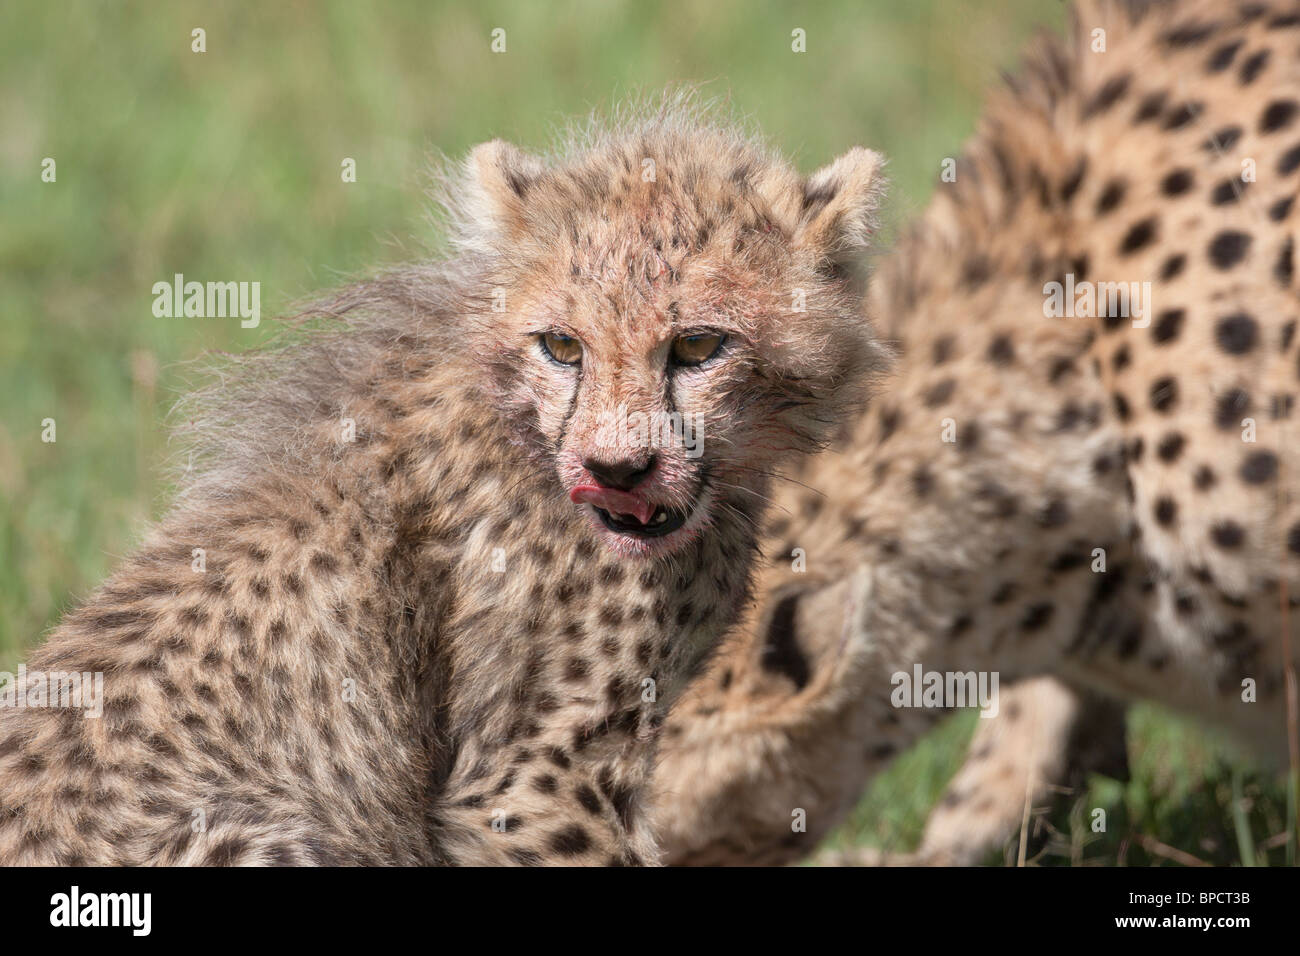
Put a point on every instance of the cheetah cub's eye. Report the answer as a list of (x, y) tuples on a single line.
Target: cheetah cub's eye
[(696, 348), (564, 349)]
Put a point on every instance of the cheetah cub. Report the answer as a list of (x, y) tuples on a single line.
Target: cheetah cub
[(451, 558), (1106, 496)]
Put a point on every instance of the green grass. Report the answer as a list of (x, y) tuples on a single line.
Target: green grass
[(225, 165), (1189, 790)]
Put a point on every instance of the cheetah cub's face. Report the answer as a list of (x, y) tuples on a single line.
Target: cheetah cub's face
[(678, 319)]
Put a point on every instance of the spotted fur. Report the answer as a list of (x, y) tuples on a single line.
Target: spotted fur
[(1074, 438), (407, 645)]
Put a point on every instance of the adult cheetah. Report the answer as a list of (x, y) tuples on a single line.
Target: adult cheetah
[(1108, 497), (427, 601)]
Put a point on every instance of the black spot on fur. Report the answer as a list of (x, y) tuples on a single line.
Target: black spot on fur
[(1237, 334), (888, 422), (1172, 267), (1259, 467), (1228, 191), (1036, 616), (1170, 447), (1061, 367), (1001, 350), (1284, 268), (781, 652), (1069, 416), (1004, 504), (1222, 140), (570, 841), (1177, 182), (1222, 57), (226, 853), (1150, 107), (1277, 115), (1230, 408), (1252, 66), (1167, 326), (1068, 561), (1122, 410), (1130, 640), (1139, 235), (1110, 197), (942, 350), (324, 563), (1165, 511), (1189, 34), (1228, 248), (1164, 394), (1185, 604), (1228, 534), (577, 669), (939, 393), (976, 271), (1071, 184), (922, 481), (1183, 115), (1289, 161), (1108, 95), (283, 854)]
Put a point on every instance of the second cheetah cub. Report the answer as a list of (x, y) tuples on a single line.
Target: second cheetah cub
[(454, 637)]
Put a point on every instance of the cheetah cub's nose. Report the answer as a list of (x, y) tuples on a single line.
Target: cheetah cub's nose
[(621, 475)]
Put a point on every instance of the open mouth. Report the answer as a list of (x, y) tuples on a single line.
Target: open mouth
[(631, 514), (663, 521)]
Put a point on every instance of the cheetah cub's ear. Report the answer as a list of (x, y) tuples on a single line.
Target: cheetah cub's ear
[(497, 177), (834, 212)]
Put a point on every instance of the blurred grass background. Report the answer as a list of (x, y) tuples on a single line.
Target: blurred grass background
[(226, 165)]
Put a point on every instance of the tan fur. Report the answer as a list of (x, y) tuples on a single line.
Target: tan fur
[(413, 647), (1040, 747), (1072, 434)]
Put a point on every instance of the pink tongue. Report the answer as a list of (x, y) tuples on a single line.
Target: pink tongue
[(613, 501)]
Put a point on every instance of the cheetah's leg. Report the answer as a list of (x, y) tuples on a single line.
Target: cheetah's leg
[(717, 805), (1046, 738), (765, 752), (782, 723)]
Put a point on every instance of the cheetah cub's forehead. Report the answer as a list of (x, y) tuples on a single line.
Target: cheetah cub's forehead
[(679, 316), (660, 202)]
